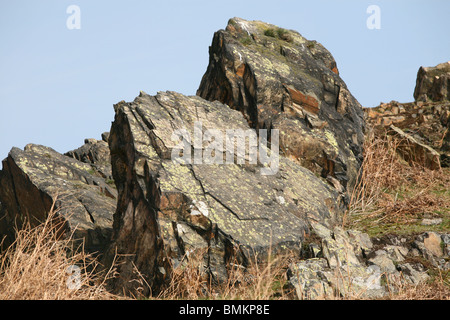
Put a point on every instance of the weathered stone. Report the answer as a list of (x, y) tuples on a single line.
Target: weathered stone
[(415, 152), (342, 247), (338, 250), (446, 240), (383, 261), (361, 241), (36, 177), (412, 275), (349, 273), (96, 153), (344, 272), (232, 211), (432, 243), (280, 80), (433, 83), (309, 281), (431, 222), (369, 283), (396, 253), (313, 279), (105, 136), (359, 282)]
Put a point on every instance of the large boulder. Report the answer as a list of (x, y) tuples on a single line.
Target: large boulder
[(433, 83), (36, 178), (279, 79), (230, 212)]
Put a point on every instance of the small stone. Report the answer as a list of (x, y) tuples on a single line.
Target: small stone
[(315, 249), (433, 243), (90, 141), (105, 136), (395, 110), (396, 253), (305, 277), (383, 261), (362, 239), (412, 274), (431, 222)]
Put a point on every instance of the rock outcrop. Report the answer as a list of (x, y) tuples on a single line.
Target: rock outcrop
[(96, 153), (280, 80), (36, 178), (167, 209), (433, 83), (421, 126), (181, 176)]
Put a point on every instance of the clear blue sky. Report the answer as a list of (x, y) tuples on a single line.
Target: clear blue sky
[(57, 86)]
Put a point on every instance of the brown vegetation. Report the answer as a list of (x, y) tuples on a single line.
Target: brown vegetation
[(393, 192), (39, 266)]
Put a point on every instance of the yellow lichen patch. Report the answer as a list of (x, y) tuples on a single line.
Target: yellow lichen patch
[(331, 139)]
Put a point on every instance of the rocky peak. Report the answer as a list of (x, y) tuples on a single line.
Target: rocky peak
[(280, 80), (433, 83)]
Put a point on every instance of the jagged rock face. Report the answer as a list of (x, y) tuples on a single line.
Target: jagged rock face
[(34, 178), (433, 83), (167, 209), (278, 79), (425, 129), (96, 153)]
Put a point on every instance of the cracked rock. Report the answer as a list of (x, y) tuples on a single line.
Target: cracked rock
[(221, 207), (278, 79), (34, 178)]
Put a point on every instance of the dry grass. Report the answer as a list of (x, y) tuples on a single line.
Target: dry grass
[(40, 266), (392, 191), (258, 281), (438, 288)]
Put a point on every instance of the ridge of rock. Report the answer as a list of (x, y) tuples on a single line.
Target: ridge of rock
[(280, 80)]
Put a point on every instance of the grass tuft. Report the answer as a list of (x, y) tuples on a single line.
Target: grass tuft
[(40, 265), (391, 194)]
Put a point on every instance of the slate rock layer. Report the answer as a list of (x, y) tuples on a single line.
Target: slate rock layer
[(280, 80)]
